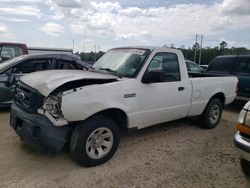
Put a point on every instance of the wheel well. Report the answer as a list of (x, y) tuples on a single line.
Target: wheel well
[(221, 97), (119, 116)]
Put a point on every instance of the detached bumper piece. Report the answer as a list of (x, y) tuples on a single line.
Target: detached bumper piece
[(243, 146), (37, 131)]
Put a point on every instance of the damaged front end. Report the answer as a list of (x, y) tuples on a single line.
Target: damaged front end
[(39, 120), (36, 114), (52, 104), (36, 94)]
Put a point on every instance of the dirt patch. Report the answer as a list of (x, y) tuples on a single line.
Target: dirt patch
[(176, 154)]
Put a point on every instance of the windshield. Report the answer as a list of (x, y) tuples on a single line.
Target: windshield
[(7, 64), (122, 62)]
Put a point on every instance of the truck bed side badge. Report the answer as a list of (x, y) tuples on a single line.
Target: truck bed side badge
[(130, 95)]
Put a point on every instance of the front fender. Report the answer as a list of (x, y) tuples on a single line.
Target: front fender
[(74, 109)]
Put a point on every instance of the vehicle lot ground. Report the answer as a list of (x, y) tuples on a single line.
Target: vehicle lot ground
[(176, 154)]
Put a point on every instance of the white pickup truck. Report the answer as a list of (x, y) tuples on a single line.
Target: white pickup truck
[(127, 89)]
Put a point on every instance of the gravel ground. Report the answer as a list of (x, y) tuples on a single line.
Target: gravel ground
[(176, 154)]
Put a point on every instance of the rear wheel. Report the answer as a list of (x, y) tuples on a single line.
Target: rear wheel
[(245, 166), (95, 141), (212, 114)]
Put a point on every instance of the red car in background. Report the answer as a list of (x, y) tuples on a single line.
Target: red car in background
[(10, 50)]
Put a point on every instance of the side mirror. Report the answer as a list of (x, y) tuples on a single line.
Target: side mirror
[(11, 80), (153, 76)]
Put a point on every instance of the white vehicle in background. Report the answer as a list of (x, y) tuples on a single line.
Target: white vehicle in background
[(192, 67), (128, 89), (204, 67)]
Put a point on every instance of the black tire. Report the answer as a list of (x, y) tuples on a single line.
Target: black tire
[(81, 137), (245, 166), (205, 119)]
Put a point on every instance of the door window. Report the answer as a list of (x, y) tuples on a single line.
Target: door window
[(168, 64), (242, 67), (31, 66), (65, 64)]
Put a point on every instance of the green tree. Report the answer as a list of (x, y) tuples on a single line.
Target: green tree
[(209, 53)]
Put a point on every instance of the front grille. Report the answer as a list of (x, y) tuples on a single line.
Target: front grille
[(23, 96), (27, 97)]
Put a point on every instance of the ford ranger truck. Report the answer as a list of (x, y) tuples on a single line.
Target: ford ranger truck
[(127, 89)]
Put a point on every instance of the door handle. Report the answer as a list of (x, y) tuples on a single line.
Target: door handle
[(181, 88)]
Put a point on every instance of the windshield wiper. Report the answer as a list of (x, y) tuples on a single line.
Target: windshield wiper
[(111, 71)]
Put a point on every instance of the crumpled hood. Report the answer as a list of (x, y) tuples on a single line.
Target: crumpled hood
[(47, 81)]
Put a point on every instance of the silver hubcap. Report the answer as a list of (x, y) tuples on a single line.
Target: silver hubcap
[(99, 143), (214, 113)]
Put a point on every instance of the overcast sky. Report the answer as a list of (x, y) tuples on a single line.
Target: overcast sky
[(112, 23)]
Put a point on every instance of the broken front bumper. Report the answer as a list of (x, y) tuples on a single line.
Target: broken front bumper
[(243, 146), (37, 131)]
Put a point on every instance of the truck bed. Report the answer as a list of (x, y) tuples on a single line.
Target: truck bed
[(204, 86)]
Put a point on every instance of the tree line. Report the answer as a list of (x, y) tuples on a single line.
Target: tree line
[(207, 53), (91, 56)]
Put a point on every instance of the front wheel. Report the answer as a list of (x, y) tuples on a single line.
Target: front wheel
[(95, 141), (245, 166), (212, 114)]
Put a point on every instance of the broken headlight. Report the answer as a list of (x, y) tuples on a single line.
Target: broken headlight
[(52, 105)]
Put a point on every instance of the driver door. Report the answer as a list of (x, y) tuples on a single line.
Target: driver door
[(167, 99)]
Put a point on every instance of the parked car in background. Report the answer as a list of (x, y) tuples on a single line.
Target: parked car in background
[(126, 89), (237, 65), (204, 67), (192, 67), (242, 138), (12, 70), (10, 50)]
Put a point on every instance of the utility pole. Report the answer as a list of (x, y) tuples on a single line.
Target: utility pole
[(200, 50), (98, 51), (95, 52), (195, 46), (73, 43), (84, 37)]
